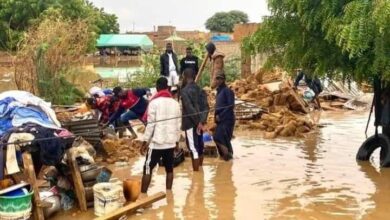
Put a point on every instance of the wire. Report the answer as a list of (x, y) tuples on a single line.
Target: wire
[(128, 126)]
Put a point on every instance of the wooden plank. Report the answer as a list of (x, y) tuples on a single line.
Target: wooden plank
[(77, 180), (133, 206), (200, 71), (29, 171)]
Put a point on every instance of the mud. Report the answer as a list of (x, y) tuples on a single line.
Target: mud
[(285, 178), (121, 149)]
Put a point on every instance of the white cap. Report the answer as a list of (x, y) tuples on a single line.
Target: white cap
[(96, 91)]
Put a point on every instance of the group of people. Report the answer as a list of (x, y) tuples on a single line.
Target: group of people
[(119, 106), (166, 122), (163, 117)]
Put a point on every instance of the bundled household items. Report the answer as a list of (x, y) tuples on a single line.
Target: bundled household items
[(27, 124)]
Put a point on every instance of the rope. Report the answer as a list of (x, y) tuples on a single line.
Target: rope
[(128, 126)]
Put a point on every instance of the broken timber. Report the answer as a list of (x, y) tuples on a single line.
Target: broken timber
[(133, 206), (32, 179), (77, 180)]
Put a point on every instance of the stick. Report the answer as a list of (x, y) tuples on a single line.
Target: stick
[(369, 116), (198, 76), (133, 206), (30, 173), (77, 180)]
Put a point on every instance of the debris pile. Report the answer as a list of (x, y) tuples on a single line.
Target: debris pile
[(286, 115), (121, 149), (74, 113), (284, 111), (348, 96)]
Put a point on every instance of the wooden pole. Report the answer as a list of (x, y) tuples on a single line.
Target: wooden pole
[(198, 76), (29, 171), (133, 206), (77, 180)]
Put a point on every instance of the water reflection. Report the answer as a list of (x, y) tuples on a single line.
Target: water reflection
[(314, 178), (195, 202), (380, 197), (225, 192)]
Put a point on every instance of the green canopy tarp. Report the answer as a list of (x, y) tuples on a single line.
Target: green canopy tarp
[(125, 40)]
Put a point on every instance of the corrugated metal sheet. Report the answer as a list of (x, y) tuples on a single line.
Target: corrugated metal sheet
[(342, 90), (88, 129)]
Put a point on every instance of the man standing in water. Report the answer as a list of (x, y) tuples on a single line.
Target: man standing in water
[(169, 68), (224, 117), (194, 116), (162, 132)]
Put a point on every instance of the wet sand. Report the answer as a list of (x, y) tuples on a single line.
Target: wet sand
[(315, 178)]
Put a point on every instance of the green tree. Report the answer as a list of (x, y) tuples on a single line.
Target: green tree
[(225, 21), (16, 16), (346, 39), (48, 54)]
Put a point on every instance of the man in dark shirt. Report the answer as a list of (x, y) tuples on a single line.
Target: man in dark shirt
[(194, 117), (189, 61), (224, 117)]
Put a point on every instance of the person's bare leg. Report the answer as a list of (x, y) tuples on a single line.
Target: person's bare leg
[(169, 180), (145, 183), (121, 132), (318, 102), (223, 149), (201, 160), (133, 134), (195, 164)]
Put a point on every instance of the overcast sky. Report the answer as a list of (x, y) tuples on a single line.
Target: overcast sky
[(185, 15)]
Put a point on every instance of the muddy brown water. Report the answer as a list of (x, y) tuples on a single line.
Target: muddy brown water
[(315, 178)]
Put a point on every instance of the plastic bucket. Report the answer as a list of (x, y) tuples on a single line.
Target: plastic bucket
[(107, 198)]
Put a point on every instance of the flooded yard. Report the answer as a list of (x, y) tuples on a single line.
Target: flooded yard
[(315, 178)]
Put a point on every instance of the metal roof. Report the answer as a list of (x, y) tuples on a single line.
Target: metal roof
[(125, 40)]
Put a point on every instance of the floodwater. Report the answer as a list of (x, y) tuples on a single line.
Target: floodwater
[(122, 74), (315, 178)]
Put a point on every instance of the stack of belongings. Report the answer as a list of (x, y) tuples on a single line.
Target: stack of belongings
[(27, 123)]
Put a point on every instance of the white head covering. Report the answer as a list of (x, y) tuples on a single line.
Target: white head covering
[(96, 91)]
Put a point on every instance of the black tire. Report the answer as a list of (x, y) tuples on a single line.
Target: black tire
[(371, 144)]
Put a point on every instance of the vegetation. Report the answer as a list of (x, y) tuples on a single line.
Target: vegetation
[(151, 68), (17, 16), (337, 39), (225, 21), (49, 53), (149, 73)]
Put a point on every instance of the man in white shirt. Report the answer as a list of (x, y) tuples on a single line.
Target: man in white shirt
[(162, 132), (169, 67)]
